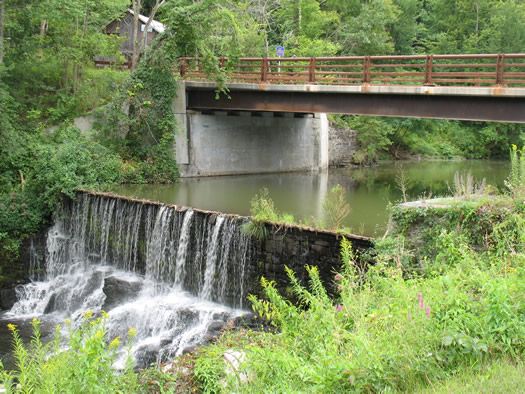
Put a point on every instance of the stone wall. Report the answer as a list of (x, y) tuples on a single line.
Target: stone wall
[(295, 247), (343, 143)]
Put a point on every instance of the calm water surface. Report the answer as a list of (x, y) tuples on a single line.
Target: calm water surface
[(370, 190)]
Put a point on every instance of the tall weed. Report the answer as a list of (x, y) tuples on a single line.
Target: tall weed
[(385, 330), (84, 365)]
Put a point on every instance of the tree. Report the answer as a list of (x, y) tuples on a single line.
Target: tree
[(2, 13), (368, 32), (138, 46)]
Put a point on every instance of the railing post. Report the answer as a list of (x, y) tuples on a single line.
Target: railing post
[(311, 71), (182, 66), (366, 70), (264, 69), (500, 70), (428, 71)]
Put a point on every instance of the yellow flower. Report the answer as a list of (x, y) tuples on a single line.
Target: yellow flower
[(105, 314), (88, 315), (132, 332), (114, 343), (12, 327)]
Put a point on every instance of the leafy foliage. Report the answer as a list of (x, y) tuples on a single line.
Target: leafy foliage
[(385, 330), (85, 365)]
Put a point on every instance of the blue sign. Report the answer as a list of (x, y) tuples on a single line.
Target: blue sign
[(280, 51)]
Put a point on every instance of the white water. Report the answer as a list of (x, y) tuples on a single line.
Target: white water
[(153, 268)]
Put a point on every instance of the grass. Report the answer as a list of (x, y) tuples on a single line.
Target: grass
[(498, 376)]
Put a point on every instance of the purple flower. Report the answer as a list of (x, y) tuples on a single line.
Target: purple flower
[(340, 288), (409, 316), (419, 296), (427, 311), (338, 277), (24, 205), (421, 303), (421, 263), (339, 307)]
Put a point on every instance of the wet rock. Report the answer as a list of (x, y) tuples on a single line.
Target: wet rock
[(215, 326), (146, 355), (51, 304), (7, 298), (119, 290)]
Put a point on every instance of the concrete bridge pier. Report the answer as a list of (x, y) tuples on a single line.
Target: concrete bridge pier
[(241, 142)]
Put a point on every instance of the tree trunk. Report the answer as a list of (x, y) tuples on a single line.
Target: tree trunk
[(138, 47), (43, 29), (2, 12), (137, 7)]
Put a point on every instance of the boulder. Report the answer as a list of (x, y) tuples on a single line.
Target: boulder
[(118, 291)]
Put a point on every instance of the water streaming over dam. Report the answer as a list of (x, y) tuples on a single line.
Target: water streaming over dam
[(174, 275)]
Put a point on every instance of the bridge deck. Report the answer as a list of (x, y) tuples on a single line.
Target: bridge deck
[(462, 103), (488, 87)]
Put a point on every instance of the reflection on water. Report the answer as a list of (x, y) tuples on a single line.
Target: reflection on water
[(370, 190)]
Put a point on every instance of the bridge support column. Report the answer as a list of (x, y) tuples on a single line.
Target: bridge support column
[(323, 141), (180, 113)]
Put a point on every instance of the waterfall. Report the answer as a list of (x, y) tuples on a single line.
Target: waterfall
[(174, 275)]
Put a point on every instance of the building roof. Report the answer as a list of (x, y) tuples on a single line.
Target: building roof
[(155, 25)]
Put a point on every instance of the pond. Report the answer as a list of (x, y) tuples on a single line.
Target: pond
[(370, 190)]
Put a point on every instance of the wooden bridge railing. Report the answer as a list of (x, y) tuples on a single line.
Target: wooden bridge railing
[(427, 70)]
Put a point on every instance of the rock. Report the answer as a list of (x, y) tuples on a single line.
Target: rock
[(7, 298), (233, 360), (119, 290)]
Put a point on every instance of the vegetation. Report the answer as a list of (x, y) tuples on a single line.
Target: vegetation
[(335, 211), (85, 365)]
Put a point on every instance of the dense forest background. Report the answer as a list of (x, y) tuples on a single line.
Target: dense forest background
[(47, 77)]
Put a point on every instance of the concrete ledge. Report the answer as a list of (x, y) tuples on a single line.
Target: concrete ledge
[(372, 89)]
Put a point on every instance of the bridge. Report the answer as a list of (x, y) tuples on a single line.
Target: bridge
[(483, 87), (274, 115)]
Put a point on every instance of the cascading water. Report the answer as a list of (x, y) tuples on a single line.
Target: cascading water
[(174, 276)]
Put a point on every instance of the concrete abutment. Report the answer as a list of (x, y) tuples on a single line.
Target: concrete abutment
[(213, 143)]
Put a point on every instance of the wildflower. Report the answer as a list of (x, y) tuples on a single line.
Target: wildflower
[(114, 343), (409, 316), (338, 277), (24, 204), (420, 263), (338, 307), (419, 296), (340, 288), (132, 332), (421, 303), (24, 213), (427, 311), (12, 327)]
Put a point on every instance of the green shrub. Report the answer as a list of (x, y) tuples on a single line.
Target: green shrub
[(385, 331), (84, 365)]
